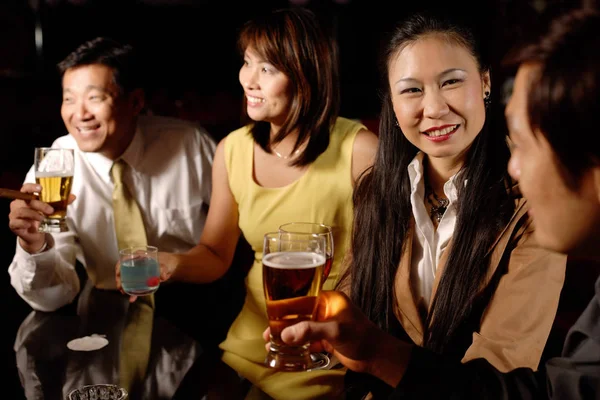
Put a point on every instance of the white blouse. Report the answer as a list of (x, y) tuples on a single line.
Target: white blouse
[(428, 243)]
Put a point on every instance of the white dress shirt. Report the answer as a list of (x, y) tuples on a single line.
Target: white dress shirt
[(428, 243), (169, 175)]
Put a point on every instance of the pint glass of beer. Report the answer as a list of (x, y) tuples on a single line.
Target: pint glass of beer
[(292, 274), (54, 172), (304, 229)]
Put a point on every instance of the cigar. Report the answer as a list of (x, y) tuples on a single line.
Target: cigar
[(15, 194)]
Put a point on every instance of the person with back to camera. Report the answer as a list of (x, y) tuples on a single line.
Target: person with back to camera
[(297, 161), (445, 259)]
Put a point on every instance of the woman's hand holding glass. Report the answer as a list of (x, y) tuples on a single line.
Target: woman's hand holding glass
[(341, 329)]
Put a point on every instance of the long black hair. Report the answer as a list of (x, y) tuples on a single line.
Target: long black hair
[(383, 209)]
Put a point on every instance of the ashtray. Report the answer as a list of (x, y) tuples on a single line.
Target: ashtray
[(98, 392)]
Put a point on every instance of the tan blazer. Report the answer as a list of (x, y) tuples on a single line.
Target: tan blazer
[(515, 325)]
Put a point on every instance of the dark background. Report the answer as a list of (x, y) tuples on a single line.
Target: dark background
[(191, 61), (191, 65)]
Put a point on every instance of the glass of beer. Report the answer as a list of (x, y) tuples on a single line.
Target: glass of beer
[(140, 270), (54, 172), (299, 229), (292, 275)]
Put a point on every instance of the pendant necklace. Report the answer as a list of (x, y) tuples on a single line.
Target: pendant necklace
[(439, 208), (293, 155)]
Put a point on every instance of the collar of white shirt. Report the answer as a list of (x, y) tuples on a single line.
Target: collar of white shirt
[(417, 183), (133, 155)]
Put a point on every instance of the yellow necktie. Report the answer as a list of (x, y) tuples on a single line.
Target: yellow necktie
[(129, 224), (137, 334)]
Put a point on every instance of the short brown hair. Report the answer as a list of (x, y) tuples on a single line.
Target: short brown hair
[(293, 41)]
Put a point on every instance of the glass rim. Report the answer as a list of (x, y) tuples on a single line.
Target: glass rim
[(128, 250), (53, 148), (274, 234), (319, 224), (60, 167)]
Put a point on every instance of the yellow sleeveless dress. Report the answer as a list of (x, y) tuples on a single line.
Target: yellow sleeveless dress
[(322, 194)]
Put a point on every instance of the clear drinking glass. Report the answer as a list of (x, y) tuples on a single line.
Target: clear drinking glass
[(140, 270), (54, 172), (292, 275), (319, 360)]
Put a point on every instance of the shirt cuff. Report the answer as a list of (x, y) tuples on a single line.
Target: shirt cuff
[(43, 248), (48, 244)]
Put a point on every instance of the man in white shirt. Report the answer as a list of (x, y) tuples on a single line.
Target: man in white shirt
[(168, 173)]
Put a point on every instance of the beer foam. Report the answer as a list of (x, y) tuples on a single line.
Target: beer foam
[(56, 163), (88, 343), (293, 260), (63, 174)]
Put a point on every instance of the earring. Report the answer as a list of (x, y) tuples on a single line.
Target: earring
[(396, 123), (487, 100)]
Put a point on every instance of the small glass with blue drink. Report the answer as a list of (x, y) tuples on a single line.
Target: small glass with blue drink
[(140, 271)]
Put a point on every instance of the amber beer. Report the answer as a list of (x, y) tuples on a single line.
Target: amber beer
[(54, 169), (292, 282), (55, 191), (327, 268)]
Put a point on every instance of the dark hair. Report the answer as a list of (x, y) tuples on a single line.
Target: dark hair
[(292, 40), (105, 51), (383, 212), (563, 97)]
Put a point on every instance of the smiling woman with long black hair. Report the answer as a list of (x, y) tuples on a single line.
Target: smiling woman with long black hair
[(442, 252), (555, 97)]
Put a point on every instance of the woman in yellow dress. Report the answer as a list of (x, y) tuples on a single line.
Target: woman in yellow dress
[(296, 161)]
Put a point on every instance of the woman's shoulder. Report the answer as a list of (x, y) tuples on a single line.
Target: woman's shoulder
[(234, 146), (240, 137), (239, 134), (347, 125), (353, 133), (365, 139)]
